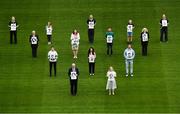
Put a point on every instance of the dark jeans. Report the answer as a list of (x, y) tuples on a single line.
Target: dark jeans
[(49, 38), (73, 86), (109, 48), (91, 68), (34, 50), (13, 33), (164, 34), (91, 35), (51, 64), (144, 48)]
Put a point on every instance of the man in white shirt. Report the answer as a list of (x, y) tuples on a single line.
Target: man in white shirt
[(129, 55), (73, 74), (91, 22), (164, 29), (13, 25), (34, 39), (52, 57)]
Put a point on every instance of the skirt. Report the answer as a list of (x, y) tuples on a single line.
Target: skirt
[(111, 84)]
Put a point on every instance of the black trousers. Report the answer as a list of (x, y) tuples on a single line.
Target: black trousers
[(91, 68), (164, 34), (91, 35), (34, 50), (52, 64), (144, 48), (13, 34), (73, 86), (109, 48), (49, 38)]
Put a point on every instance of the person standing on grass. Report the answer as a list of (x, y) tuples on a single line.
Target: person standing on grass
[(111, 82), (130, 28), (164, 29), (73, 74), (91, 60), (91, 22), (109, 40), (129, 55), (75, 37), (34, 39), (13, 25), (49, 30), (144, 41), (52, 56)]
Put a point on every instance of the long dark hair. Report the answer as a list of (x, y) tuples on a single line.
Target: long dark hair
[(93, 51)]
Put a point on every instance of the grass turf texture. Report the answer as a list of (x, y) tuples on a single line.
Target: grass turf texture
[(25, 85)]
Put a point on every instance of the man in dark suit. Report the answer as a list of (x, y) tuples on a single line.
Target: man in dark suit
[(144, 41), (164, 29), (73, 74), (91, 22), (34, 39), (13, 25)]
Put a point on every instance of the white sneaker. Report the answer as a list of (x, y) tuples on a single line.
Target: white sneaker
[(126, 75), (132, 75)]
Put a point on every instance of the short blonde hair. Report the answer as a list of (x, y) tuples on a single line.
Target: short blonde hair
[(144, 30)]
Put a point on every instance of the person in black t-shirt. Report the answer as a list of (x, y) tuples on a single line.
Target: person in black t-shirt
[(34, 39), (164, 29), (91, 22), (144, 41), (73, 74), (13, 25)]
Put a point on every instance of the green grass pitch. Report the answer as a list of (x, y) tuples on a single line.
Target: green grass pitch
[(25, 85)]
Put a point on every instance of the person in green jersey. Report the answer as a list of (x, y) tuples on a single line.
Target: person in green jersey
[(109, 40)]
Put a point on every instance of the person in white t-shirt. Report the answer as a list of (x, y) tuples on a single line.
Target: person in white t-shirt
[(111, 82), (75, 37), (91, 60), (49, 30), (52, 57), (164, 28), (130, 27)]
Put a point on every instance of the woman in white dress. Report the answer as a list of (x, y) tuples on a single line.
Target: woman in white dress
[(75, 37), (111, 82)]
